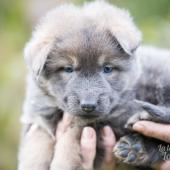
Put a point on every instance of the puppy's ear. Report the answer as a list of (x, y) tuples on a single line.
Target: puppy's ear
[(127, 44), (118, 21), (119, 44), (36, 52), (127, 35), (51, 26)]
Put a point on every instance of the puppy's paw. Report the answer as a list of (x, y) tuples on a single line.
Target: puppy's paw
[(142, 115), (130, 150), (156, 112), (148, 111)]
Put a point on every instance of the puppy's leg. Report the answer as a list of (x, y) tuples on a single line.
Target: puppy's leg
[(36, 150), (67, 151), (136, 149), (150, 112), (157, 113)]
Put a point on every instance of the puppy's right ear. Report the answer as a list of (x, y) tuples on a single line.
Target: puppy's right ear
[(36, 52)]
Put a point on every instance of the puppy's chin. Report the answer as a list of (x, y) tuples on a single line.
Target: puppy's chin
[(95, 115), (92, 115)]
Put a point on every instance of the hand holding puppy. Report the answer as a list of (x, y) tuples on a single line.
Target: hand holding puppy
[(87, 144), (155, 130)]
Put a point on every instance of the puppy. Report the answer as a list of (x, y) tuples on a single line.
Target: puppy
[(85, 61)]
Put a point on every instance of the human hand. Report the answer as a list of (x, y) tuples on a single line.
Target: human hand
[(152, 129), (42, 151), (155, 130), (88, 143)]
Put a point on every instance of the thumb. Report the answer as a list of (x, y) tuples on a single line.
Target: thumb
[(152, 129)]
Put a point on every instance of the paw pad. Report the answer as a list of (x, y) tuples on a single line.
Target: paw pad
[(130, 151)]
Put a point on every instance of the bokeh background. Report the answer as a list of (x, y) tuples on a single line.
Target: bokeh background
[(17, 19)]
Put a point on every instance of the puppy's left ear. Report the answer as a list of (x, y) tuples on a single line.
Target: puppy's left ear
[(128, 36), (128, 43), (125, 31)]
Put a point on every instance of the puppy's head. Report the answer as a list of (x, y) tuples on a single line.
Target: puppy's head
[(84, 57)]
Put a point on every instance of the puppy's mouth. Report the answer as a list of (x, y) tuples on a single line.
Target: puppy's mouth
[(92, 115), (86, 116)]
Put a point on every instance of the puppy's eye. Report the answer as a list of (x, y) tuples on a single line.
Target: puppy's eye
[(68, 69), (107, 68)]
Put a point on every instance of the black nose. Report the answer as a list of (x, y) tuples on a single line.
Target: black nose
[(88, 107)]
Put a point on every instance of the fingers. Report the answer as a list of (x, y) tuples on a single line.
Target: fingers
[(163, 166), (88, 143), (88, 147), (155, 130), (109, 141), (63, 125)]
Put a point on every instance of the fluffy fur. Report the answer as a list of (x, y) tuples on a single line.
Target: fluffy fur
[(89, 38)]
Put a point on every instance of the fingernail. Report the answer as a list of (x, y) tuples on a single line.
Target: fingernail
[(87, 133), (138, 126), (107, 131)]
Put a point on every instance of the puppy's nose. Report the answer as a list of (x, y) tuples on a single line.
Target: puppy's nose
[(88, 107)]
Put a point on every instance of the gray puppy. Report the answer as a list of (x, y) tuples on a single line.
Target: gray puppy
[(85, 61)]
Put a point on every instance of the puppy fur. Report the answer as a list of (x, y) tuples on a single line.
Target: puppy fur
[(69, 18), (88, 37)]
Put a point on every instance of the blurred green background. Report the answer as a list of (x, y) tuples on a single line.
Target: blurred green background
[(17, 18)]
